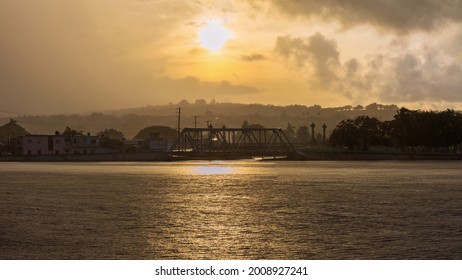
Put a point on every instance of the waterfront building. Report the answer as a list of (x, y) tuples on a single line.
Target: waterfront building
[(43, 145), (59, 144)]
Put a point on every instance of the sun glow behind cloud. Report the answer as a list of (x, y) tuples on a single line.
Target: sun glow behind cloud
[(214, 35)]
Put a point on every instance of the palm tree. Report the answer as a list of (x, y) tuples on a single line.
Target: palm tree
[(290, 131)]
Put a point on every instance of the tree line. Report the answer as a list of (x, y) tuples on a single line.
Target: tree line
[(300, 136), (409, 129), (131, 121)]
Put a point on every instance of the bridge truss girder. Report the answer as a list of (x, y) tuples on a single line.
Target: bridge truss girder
[(232, 140)]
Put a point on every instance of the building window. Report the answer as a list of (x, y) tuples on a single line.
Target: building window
[(50, 143), (57, 152), (29, 141), (29, 152), (39, 152)]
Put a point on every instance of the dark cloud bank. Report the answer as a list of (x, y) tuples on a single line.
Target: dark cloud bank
[(399, 15), (397, 76)]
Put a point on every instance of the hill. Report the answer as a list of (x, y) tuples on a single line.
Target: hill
[(131, 121), (11, 130)]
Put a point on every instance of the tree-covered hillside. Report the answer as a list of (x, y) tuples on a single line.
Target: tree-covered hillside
[(131, 121)]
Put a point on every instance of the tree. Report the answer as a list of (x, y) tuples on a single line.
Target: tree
[(368, 131), (164, 132), (112, 139), (71, 132), (8, 133), (111, 134), (246, 124), (402, 126), (344, 134), (303, 135), (408, 129), (359, 133), (318, 138), (11, 130), (200, 102), (385, 133), (372, 107), (183, 103), (450, 128), (290, 131)]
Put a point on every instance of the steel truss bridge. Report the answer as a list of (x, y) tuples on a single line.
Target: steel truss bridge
[(232, 142)]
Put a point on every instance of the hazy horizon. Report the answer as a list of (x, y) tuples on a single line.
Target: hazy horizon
[(181, 104), (83, 56)]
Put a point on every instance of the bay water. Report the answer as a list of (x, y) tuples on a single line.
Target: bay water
[(243, 209)]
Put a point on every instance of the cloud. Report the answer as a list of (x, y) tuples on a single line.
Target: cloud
[(316, 53), (398, 15), (403, 74), (407, 77), (253, 57), (200, 89)]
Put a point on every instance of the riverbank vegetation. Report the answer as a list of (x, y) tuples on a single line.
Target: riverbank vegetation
[(408, 130)]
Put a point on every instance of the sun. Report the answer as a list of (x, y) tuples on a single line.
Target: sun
[(213, 36)]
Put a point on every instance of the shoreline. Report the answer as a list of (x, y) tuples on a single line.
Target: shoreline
[(299, 155), (325, 154), (161, 156)]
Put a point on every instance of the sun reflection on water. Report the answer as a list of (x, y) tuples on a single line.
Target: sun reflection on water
[(212, 170)]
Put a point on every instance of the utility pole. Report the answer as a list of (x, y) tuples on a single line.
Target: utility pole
[(195, 126), (179, 120), (13, 144), (312, 134), (8, 139), (195, 121)]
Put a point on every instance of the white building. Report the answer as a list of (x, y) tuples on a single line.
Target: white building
[(60, 144), (44, 145)]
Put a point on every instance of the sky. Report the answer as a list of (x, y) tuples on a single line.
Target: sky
[(88, 55)]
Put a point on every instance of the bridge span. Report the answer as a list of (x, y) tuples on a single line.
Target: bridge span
[(226, 143)]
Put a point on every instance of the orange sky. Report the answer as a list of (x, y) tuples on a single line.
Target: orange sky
[(84, 55)]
